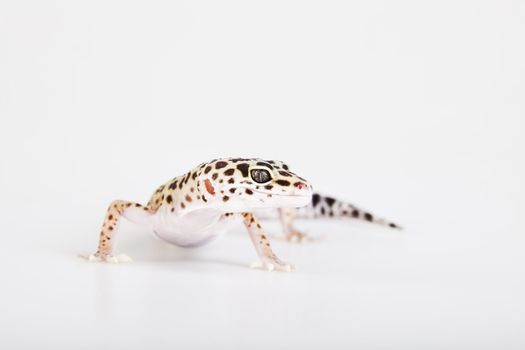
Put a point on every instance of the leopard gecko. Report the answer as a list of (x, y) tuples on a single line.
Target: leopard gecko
[(192, 209)]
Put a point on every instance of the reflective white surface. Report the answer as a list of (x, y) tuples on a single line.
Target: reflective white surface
[(356, 286), (413, 110)]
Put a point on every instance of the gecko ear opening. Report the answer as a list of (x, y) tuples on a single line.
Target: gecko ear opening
[(209, 187)]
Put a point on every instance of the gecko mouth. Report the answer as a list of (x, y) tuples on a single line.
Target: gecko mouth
[(284, 194)]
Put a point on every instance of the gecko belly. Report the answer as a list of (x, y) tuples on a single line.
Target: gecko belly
[(192, 229)]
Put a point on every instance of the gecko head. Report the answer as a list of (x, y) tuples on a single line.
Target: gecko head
[(241, 184)]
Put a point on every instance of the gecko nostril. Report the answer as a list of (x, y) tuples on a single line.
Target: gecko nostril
[(300, 185)]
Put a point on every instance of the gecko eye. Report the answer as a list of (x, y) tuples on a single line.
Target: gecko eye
[(260, 175)]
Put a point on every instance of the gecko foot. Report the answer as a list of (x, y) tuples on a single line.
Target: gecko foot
[(119, 259), (272, 265), (295, 236), (298, 236)]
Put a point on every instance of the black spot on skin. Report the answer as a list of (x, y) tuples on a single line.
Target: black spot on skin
[(283, 182), (355, 213), (110, 217), (169, 198), (207, 170), (235, 160), (187, 178), (173, 185), (315, 199), (265, 164), (392, 225), (243, 167), (329, 200), (182, 205), (285, 173), (215, 176), (181, 183), (232, 190), (248, 191), (204, 199), (268, 187), (194, 175), (220, 165), (331, 213), (322, 211), (368, 217), (229, 172), (225, 198), (285, 167), (231, 180)]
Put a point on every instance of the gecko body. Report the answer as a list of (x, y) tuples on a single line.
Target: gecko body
[(192, 209)]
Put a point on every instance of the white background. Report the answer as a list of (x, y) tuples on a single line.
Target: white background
[(414, 110)]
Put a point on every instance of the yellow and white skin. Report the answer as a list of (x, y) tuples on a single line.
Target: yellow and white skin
[(192, 209)]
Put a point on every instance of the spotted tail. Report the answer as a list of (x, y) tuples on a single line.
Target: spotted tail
[(328, 207)]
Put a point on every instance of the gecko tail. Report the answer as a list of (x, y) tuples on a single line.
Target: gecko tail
[(329, 207)]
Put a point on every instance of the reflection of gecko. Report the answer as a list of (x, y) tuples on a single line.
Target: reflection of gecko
[(191, 209)]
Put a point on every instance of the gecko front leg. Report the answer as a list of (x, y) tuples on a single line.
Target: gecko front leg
[(262, 245), (135, 212)]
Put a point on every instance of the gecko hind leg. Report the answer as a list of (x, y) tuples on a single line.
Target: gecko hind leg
[(291, 234), (132, 211), (260, 240)]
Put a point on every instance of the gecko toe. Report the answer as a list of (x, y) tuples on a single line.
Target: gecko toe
[(286, 268), (120, 259), (124, 259), (270, 267), (92, 258), (256, 265)]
